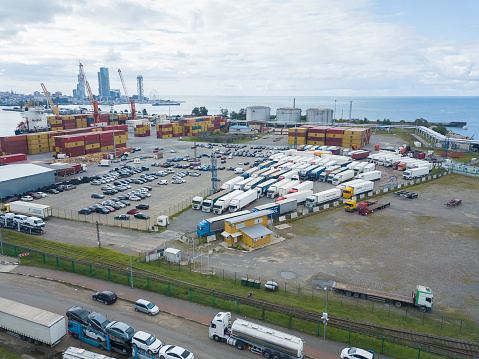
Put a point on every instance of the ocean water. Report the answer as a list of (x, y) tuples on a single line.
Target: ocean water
[(433, 109)]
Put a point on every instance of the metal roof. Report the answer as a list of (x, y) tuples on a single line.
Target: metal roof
[(251, 215), (26, 312), (256, 231), (17, 171)]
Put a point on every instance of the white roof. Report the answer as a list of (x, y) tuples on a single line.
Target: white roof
[(172, 250), (15, 171), (256, 231)]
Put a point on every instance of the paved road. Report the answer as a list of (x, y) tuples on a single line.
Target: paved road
[(33, 282)]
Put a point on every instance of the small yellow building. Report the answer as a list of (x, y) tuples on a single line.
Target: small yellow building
[(251, 229)]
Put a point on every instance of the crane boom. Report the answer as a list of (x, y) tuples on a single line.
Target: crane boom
[(50, 101), (93, 103), (132, 102)]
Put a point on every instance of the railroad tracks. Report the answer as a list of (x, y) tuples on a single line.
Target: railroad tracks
[(449, 347)]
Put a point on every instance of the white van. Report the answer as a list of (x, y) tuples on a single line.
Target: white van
[(239, 170), (19, 218), (34, 222)]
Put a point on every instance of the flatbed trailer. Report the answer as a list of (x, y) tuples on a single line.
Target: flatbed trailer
[(364, 208), (454, 202)]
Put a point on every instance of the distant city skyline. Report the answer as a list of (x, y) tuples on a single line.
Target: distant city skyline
[(266, 48)]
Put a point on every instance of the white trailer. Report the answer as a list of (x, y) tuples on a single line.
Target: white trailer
[(357, 188), (274, 188), (359, 168), (209, 202), (30, 323), (323, 197), (369, 167), (197, 202), (419, 163), (105, 163), (262, 188), (240, 185), (230, 184), (243, 200), (267, 342), (302, 186), (413, 173), (284, 189), (32, 209), (80, 353), (293, 175), (223, 203), (299, 196), (369, 176), (342, 177)]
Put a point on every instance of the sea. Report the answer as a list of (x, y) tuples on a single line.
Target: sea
[(395, 109)]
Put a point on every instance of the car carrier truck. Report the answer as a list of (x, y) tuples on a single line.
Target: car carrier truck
[(210, 226), (422, 298), (33, 324), (261, 340), (80, 353)]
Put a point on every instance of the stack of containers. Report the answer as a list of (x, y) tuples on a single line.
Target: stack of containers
[(177, 129), (80, 121), (10, 145), (37, 143), (355, 136), (300, 133), (120, 138), (92, 142), (334, 136), (317, 135), (142, 130), (70, 145), (122, 117), (113, 119), (68, 122), (164, 130), (104, 118), (56, 123), (90, 120), (106, 140)]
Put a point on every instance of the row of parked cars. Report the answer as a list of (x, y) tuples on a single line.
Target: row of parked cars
[(96, 325)]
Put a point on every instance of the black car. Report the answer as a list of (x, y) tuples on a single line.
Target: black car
[(98, 322), (141, 216), (52, 191), (84, 211), (97, 195), (122, 217), (78, 314), (143, 206), (125, 202), (105, 296), (102, 210)]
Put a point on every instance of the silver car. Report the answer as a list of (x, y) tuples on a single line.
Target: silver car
[(142, 305)]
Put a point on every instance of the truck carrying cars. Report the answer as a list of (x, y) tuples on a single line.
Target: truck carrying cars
[(30, 323), (323, 197), (417, 172), (299, 196), (223, 203), (279, 208), (33, 209), (243, 200), (80, 353), (422, 298), (369, 176), (262, 188), (342, 177), (212, 225), (230, 184), (209, 202), (357, 188), (366, 207), (243, 334)]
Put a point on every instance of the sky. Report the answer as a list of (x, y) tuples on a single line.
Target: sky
[(244, 48)]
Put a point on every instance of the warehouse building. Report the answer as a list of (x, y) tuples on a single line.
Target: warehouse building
[(251, 229), (23, 177)]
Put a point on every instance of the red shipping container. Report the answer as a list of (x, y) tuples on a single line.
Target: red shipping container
[(92, 150), (336, 130), (13, 158), (106, 143), (330, 141)]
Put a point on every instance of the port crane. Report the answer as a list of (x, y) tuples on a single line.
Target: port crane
[(50, 101), (93, 102), (132, 102)]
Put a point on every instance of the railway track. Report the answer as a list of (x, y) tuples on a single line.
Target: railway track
[(449, 347)]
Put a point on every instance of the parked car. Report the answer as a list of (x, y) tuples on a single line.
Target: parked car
[(133, 211), (141, 216), (122, 217), (356, 353), (27, 198), (143, 206), (98, 322), (135, 198), (105, 296), (97, 195), (84, 211), (42, 194), (52, 191), (174, 352), (142, 305), (146, 342), (78, 314), (163, 182), (120, 330)]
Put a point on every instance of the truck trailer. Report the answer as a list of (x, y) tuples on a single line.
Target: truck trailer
[(223, 203), (30, 209), (261, 340), (209, 202), (342, 177), (243, 200), (299, 196), (369, 176), (274, 188), (80, 353), (256, 181), (212, 225), (323, 197), (422, 298), (230, 184), (33, 324), (262, 188), (417, 172), (367, 207), (357, 188), (279, 208)]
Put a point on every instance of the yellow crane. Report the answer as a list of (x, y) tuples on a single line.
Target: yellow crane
[(50, 101)]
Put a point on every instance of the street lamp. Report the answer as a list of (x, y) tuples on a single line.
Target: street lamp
[(324, 317), (131, 267)]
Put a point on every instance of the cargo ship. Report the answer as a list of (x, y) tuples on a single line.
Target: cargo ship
[(167, 103), (33, 120)]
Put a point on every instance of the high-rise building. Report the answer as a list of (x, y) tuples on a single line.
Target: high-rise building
[(104, 83), (139, 81), (80, 93)]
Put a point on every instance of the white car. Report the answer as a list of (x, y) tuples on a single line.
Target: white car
[(356, 353), (163, 182), (134, 198), (173, 151), (95, 183), (175, 352), (27, 198), (146, 342), (43, 194)]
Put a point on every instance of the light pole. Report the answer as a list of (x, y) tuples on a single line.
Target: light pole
[(131, 267), (325, 314), (1, 241)]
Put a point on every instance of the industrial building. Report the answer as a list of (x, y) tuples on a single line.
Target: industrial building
[(23, 177), (319, 116), (241, 129), (258, 113), (288, 114), (251, 229)]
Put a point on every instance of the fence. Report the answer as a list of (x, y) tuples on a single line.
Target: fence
[(462, 169), (378, 337)]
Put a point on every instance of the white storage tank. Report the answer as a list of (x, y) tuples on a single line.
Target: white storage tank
[(321, 116), (258, 113), (288, 114)]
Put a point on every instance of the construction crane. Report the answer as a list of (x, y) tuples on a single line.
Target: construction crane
[(50, 101), (93, 103), (132, 102)]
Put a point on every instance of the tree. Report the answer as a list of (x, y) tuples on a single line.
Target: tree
[(224, 112), (421, 122), (202, 111), (440, 129)]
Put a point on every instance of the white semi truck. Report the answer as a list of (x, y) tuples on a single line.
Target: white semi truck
[(265, 341), (323, 197), (274, 188), (31, 209), (209, 202), (231, 183), (32, 324), (223, 203), (413, 173), (243, 200), (369, 176)]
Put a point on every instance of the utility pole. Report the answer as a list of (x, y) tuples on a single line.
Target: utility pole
[(350, 109), (1, 241), (334, 115), (98, 234)]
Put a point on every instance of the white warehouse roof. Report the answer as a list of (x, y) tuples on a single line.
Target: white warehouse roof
[(17, 171)]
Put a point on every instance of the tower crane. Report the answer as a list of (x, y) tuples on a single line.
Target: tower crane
[(93, 102), (50, 101), (132, 102)]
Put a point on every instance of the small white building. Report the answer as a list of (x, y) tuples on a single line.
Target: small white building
[(173, 255)]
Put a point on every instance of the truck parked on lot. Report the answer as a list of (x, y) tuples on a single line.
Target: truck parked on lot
[(197, 202), (243, 200), (422, 298), (314, 174), (304, 173), (104, 163), (230, 184), (259, 172), (323, 197), (7, 221), (358, 154), (323, 177), (253, 183), (209, 202), (285, 188), (240, 185), (357, 188), (417, 172), (267, 342), (212, 225), (299, 196), (30, 323), (80, 353), (350, 205), (273, 190), (342, 177), (367, 207), (292, 175), (223, 203), (262, 188), (279, 208), (369, 176), (249, 172), (33, 209)]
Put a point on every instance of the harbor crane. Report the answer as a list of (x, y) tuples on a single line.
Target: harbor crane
[(93, 102), (132, 102), (50, 101)]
